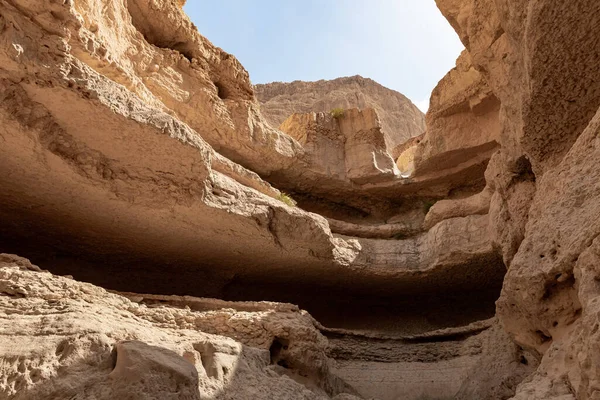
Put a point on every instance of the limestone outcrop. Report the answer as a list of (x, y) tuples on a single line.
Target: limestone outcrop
[(132, 155), (79, 340), (462, 123), (135, 156), (349, 147), (347, 162), (400, 119), (539, 59)]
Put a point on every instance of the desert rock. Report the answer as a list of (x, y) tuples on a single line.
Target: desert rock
[(400, 119), (182, 233)]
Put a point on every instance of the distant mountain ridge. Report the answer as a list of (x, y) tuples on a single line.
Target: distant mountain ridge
[(400, 118)]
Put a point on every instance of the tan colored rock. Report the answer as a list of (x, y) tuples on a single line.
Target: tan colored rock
[(92, 148), (406, 156), (161, 197), (323, 142), (526, 53), (501, 367), (132, 155), (400, 119), (569, 367), (350, 147), (477, 361), (371, 177), (106, 346), (538, 58), (423, 265), (380, 231), (136, 363), (558, 232), (462, 121), (444, 209), (157, 53), (508, 217), (406, 162), (367, 157), (463, 131), (151, 346)]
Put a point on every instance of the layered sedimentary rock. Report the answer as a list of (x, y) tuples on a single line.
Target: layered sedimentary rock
[(400, 119), (463, 125), (347, 162), (350, 147), (131, 149), (540, 60), (78, 340), (134, 156)]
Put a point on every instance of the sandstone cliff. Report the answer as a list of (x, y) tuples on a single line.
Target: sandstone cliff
[(134, 156), (400, 119), (130, 158), (539, 59)]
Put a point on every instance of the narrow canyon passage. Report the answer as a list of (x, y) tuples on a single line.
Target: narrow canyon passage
[(174, 230)]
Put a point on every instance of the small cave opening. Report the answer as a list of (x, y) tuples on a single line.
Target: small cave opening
[(114, 355), (562, 283), (222, 91), (523, 360), (542, 336), (523, 170), (277, 351), (183, 48)]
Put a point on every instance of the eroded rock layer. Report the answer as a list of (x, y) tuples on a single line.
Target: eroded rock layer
[(72, 339), (131, 153), (106, 345), (134, 156), (400, 119), (540, 60)]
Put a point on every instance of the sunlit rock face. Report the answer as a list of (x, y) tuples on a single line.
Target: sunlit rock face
[(186, 218), (134, 157), (400, 118), (539, 58), (350, 147), (462, 120)]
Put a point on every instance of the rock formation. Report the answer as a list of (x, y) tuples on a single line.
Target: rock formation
[(350, 147), (462, 123), (107, 345), (400, 119), (539, 59), (135, 157)]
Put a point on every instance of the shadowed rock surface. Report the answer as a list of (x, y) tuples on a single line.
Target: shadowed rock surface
[(138, 172)]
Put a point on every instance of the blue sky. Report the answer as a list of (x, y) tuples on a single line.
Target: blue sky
[(406, 45)]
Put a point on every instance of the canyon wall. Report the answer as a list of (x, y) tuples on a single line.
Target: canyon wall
[(540, 59), (400, 118), (135, 157)]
